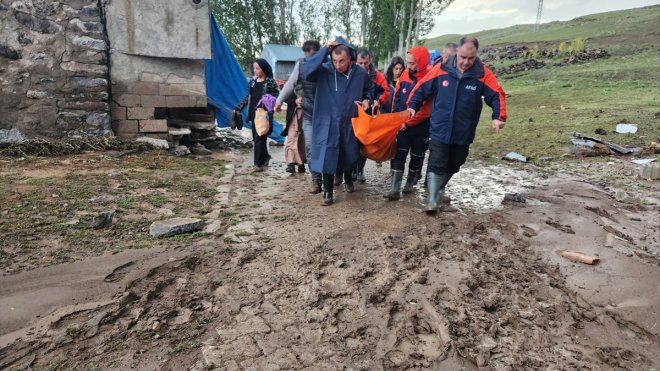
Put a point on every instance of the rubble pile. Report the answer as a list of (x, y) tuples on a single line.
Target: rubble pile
[(498, 53), (584, 56), (529, 64)]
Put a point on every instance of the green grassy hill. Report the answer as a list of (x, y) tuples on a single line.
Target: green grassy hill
[(546, 105), (602, 28)]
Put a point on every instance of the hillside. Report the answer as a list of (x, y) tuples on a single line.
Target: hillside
[(602, 28), (547, 104)]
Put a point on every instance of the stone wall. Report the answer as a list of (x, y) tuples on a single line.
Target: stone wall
[(53, 69)]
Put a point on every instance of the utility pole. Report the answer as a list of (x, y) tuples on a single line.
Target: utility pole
[(538, 16)]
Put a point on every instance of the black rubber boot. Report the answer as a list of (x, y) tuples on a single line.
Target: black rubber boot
[(434, 184), (395, 186), (413, 177), (328, 180), (348, 182)]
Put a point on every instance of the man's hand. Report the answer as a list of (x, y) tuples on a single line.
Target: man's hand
[(411, 112), (365, 104), (299, 102), (403, 127), (375, 107), (332, 45), (278, 107), (498, 125)]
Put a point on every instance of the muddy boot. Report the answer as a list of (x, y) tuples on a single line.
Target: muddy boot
[(434, 183), (360, 177), (348, 182), (328, 180), (290, 168), (327, 198), (337, 181), (301, 169), (315, 187), (411, 180), (395, 187)]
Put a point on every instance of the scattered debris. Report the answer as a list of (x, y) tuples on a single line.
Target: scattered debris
[(103, 220), (171, 227), (126, 153), (514, 197), (47, 148), (526, 65), (584, 56), (579, 257), (513, 156), (624, 128), (180, 151), (643, 161), (158, 143), (650, 171), (612, 146), (199, 149)]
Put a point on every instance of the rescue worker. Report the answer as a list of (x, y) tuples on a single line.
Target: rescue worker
[(456, 89), (413, 136)]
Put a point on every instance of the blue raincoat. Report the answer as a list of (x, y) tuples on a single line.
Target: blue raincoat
[(334, 146)]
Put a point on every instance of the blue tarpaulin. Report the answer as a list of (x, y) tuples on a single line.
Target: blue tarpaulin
[(226, 84)]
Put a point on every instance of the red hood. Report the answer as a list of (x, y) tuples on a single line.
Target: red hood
[(422, 57)]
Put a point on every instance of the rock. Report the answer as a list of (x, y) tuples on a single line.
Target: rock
[(180, 151), (38, 94), (87, 27), (89, 82), (200, 150), (513, 156), (179, 132), (11, 136), (89, 43), (212, 227), (171, 227), (600, 131), (37, 24), (514, 197), (7, 52), (103, 220), (158, 143), (98, 120), (623, 196)]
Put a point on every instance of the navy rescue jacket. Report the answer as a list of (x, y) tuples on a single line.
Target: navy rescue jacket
[(457, 101)]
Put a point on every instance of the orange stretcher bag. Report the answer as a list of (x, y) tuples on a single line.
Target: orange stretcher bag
[(377, 134)]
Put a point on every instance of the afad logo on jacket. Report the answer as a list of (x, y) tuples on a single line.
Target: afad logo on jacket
[(445, 83)]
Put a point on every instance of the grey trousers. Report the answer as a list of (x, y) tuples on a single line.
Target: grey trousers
[(307, 129)]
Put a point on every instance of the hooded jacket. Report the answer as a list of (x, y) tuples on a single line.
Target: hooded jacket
[(381, 87), (334, 146), (408, 81), (457, 100)]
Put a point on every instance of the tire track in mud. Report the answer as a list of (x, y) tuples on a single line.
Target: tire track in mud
[(364, 284)]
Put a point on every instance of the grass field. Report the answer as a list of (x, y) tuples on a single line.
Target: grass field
[(547, 105)]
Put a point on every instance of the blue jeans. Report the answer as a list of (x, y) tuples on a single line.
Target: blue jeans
[(307, 129)]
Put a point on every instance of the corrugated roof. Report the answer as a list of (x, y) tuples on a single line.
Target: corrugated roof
[(275, 53)]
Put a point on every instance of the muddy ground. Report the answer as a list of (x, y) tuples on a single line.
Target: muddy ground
[(364, 284)]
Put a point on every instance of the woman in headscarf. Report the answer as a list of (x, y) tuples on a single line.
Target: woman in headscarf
[(392, 74), (261, 84)]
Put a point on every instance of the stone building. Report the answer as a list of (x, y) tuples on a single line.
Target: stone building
[(103, 67)]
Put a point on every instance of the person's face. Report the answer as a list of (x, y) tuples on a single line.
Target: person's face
[(258, 73), (397, 70), (411, 62), (465, 57), (341, 61), (363, 62), (445, 54)]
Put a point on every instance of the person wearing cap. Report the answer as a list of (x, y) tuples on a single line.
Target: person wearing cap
[(340, 83), (413, 136), (457, 89), (262, 83)]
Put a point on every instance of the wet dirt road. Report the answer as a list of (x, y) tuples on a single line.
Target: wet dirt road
[(372, 284)]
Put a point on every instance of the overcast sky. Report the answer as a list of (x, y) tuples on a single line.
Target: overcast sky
[(467, 16)]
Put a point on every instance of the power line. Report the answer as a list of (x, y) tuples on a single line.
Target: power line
[(538, 16)]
